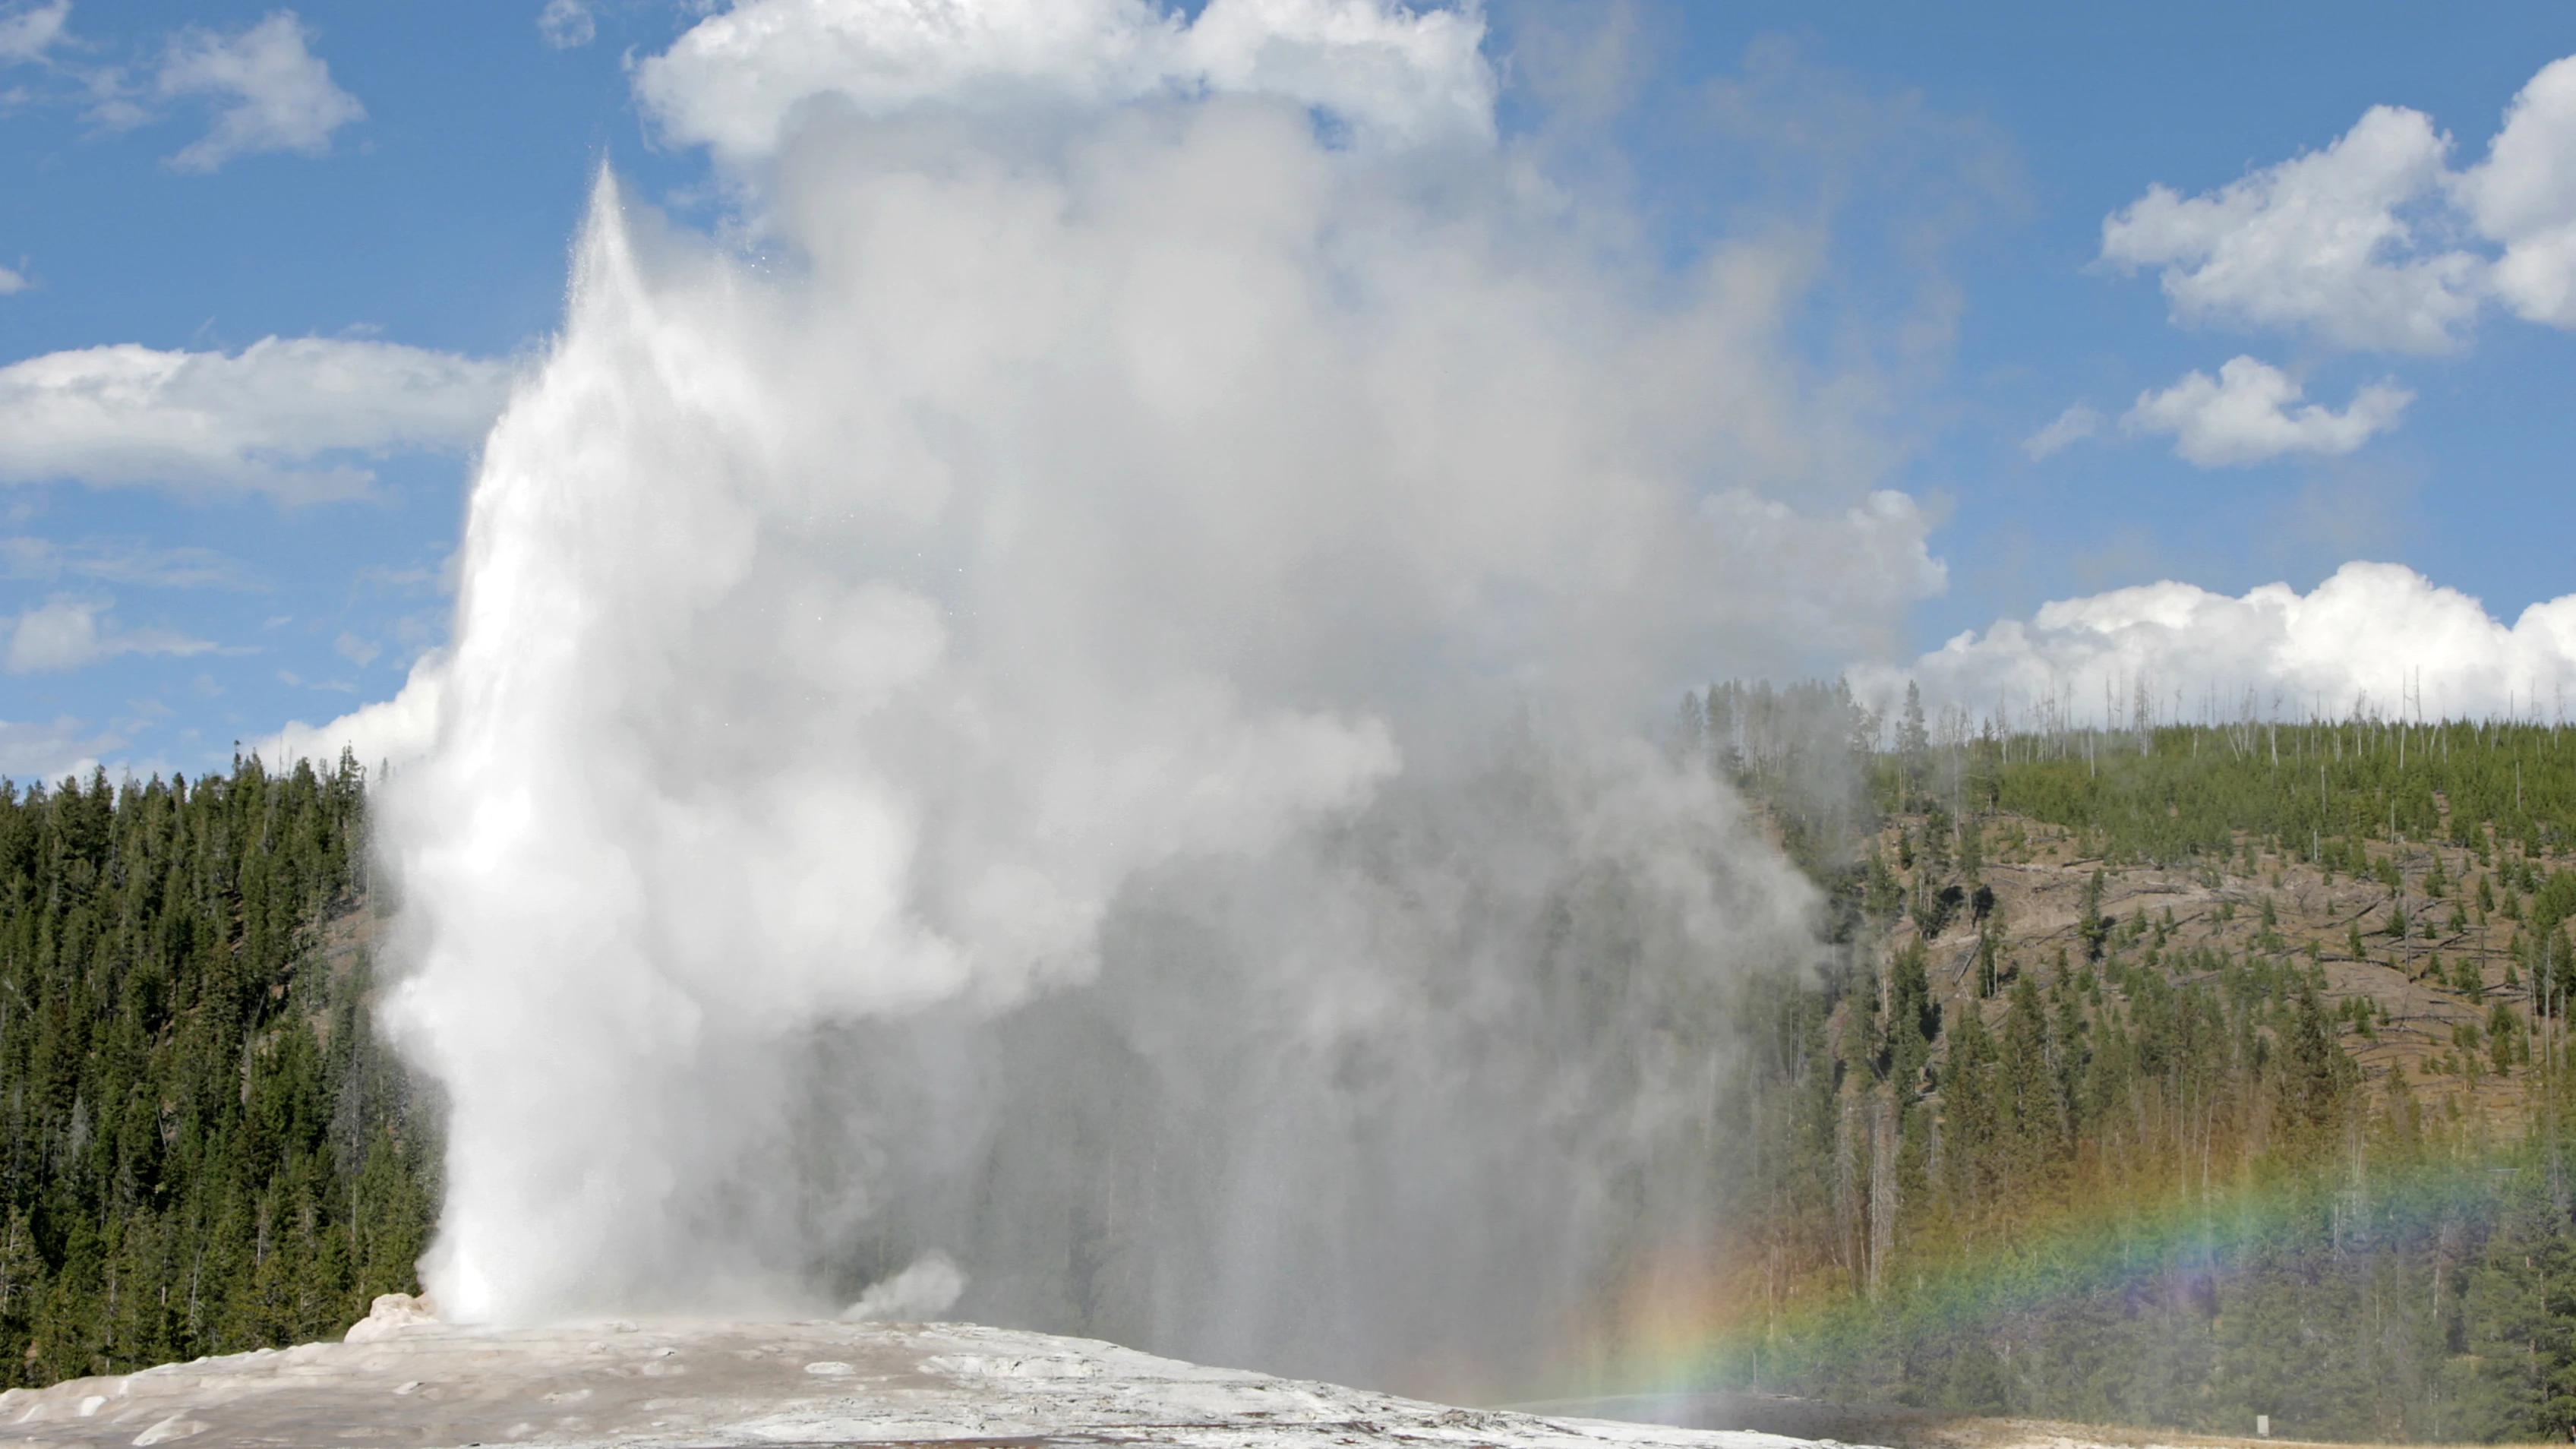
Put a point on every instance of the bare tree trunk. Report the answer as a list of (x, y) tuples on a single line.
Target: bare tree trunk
[(1882, 1193)]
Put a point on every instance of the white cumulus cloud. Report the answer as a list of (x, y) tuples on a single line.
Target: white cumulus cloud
[(2375, 242), (2369, 637), (735, 81), (2324, 243), (27, 34), (264, 419), (2253, 411), (2524, 196), (273, 93), (67, 633)]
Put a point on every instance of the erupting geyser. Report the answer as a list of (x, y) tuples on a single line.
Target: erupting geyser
[(1070, 696)]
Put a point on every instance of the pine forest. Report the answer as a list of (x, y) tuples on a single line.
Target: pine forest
[(206, 1149)]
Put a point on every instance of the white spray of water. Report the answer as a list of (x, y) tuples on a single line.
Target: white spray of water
[(1074, 708), (926, 1289)]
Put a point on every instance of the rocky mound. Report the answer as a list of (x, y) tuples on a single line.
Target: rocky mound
[(409, 1380)]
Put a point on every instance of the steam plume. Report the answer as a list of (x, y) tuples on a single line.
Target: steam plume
[(1074, 707)]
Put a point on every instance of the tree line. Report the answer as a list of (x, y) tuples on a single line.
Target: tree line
[(203, 1146)]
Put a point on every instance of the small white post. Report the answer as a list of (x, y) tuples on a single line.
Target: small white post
[(2263, 1426)]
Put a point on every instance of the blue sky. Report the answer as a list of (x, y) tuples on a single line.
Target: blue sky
[(2092, 104), (196, 177)]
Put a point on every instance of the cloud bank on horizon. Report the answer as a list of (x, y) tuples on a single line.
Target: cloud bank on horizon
[(2375, 639)]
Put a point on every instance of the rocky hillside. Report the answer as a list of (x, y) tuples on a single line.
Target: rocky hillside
[(2425, 949), (2165, 1076)]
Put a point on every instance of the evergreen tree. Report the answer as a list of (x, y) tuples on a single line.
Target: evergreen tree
[(2520, 1320), (1913, 741)]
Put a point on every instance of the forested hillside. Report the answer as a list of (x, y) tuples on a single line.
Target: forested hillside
[(202, 1147), (2170, 1076)]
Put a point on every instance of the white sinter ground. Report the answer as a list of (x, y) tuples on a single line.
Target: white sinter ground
[(662, 1383)]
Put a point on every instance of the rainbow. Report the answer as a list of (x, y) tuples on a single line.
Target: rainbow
[(1689, 1322)]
